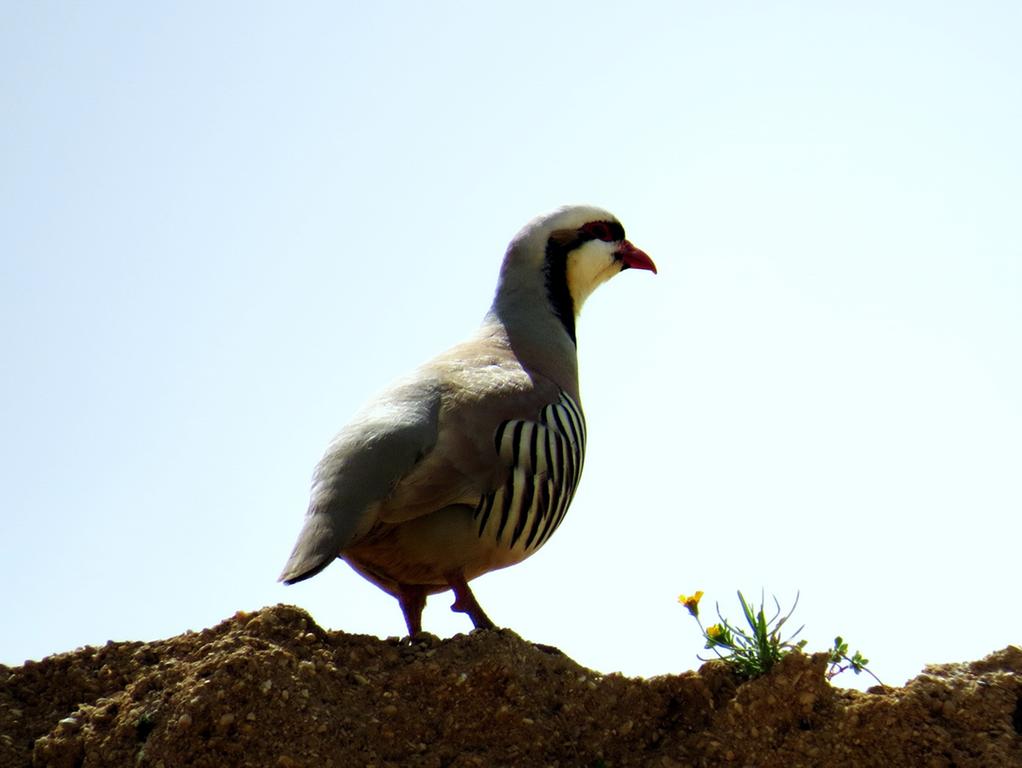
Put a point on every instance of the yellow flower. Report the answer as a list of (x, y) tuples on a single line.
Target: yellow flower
[(691, 602), (715, 632)]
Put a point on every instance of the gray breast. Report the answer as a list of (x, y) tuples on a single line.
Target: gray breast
[(545, 460)]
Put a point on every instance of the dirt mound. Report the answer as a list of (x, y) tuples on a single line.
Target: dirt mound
[(274, 689)]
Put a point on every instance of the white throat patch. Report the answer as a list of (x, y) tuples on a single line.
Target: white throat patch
[(589, 266)]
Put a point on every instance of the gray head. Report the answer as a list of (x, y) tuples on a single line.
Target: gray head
[(561, 258)]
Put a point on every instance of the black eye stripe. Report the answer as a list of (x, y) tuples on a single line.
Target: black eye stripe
[(561, 243), (608, 231), (556, 274)]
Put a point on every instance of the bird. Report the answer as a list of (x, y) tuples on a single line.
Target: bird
[(469, 463)]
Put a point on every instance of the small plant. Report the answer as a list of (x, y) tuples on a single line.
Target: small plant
[(755, 651), (840, 661)]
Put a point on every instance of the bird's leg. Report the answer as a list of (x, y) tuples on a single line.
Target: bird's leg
[(412, 599), (465, 602)]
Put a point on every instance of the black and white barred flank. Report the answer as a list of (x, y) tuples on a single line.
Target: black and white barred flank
[(545, 458)]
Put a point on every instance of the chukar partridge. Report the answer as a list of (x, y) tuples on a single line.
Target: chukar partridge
[(469, 464)]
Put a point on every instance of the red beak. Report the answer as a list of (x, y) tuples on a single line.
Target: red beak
[(633, 258)]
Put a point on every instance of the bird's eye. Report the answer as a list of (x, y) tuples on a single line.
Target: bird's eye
[(599, 230)]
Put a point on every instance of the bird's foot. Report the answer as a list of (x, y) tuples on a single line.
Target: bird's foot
[(465, 602), (412, 599)]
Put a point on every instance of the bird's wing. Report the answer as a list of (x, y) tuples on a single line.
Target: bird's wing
[(425, 444), (465, 462), (360, 467)]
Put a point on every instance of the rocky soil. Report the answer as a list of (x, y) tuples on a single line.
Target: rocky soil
[(272, 688)]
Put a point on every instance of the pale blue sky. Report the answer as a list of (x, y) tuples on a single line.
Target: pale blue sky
[(223, 227)]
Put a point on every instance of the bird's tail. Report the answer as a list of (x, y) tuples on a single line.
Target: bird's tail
[(317, 546)]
